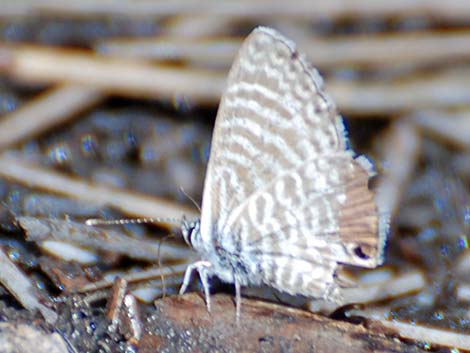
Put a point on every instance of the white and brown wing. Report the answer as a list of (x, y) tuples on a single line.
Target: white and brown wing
[(283, 195)]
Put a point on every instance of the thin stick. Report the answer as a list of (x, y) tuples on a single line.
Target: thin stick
[(405, 283), (145, 80), (400, 152), (48, 110), (415, 331), (297, 9), (115, 303), (442, 89), (378, 50), (145, 275), (454, 127), (132, 203), (194, 26), (120, 76)]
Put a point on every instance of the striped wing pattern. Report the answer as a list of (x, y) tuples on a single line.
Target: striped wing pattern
[(272, 117)]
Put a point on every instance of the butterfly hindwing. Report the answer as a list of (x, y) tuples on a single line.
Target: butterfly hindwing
[(317, 215)]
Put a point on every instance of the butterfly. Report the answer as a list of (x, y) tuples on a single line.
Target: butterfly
[(285, 200)]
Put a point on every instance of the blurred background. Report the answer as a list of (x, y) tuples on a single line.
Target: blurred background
[(107, 108)]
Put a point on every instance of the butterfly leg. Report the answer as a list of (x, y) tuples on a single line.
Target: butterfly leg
[(202, 268), (238, 300)]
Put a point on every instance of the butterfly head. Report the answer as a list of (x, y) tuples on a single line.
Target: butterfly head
[(191, 231)]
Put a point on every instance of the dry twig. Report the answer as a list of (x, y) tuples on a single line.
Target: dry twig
[(254, 10), (400, 152), (451, 127), (379, 50), (142, 79), (50, 109), (421, 333), (144, 275), (399, 285), (135, 79)]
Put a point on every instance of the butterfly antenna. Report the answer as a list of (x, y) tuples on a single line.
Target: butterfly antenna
[(96, 221), (190, 198)]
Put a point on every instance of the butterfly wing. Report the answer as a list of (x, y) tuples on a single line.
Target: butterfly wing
[(283, 194), (299, 227), (273, 116)]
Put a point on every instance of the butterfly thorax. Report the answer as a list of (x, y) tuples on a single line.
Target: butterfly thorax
[(226, 263)]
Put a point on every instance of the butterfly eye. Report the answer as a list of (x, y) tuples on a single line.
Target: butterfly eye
[(189, 229), (186, 230), (190, 233)]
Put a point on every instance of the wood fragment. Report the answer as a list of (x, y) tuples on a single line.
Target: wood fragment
[(133, 322), (115, 303), (22, 289), (264, 327), (67, 276), (18, 169)]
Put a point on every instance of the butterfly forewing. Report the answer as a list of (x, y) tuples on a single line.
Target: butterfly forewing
[(272, 117)]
